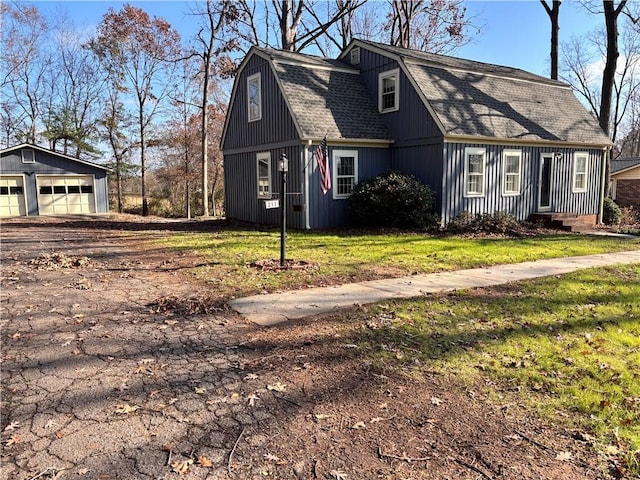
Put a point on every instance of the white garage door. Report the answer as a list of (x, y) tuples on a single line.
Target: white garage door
[(12, 202), (61, 195)]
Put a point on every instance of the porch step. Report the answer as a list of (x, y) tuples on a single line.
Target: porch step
[(569, 222)]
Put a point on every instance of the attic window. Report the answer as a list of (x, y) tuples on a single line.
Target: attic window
[(355, 55), (580, 172), (28, 155), (388, 91), (254, 97)]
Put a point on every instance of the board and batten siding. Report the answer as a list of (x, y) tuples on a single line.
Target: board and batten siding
[(324, 210), (521, 206), (411, 122), (276, 124), (241, 187), (53, 165), (423, 162)]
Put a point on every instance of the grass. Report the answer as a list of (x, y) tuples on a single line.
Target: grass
[(342, 258), (568, 348)]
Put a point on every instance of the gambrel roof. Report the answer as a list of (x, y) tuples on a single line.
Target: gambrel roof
[(478, 100), (325, 97)]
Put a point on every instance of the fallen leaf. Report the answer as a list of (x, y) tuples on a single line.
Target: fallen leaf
[(271, 458), (564, 456), (436, 401), (181, 468), (250, 376), (171, 322), (126, 409), (201, 390), (83, 471), (11, 426), (204, 461), (59, 435), (611, 450), (16, 335), (322, 416), (252, 399), (13, 440), (359, 426), (338, 474), (277, 387)]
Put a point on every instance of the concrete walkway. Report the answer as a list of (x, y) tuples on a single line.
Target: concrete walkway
[(275, 308)]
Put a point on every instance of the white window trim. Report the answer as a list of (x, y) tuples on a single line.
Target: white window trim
[(474, 151), (355, 56), (389, 73), (33, 155), (263, 156), (511, 153), (334, 173), (250, 79), (575, 172)]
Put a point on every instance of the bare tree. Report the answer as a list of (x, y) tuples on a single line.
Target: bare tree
[(554, 15), (213, 46), (139, 52), (436, 26), (25, 66)]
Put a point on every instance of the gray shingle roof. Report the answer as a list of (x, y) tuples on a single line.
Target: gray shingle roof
[(476, 104), (479, 99), (624, 163), (326, 97)]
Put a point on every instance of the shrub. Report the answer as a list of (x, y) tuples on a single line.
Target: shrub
[(498, 222), (392, 200), (611, 213)]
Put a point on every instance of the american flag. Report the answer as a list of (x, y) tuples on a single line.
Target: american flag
[(320, 154)]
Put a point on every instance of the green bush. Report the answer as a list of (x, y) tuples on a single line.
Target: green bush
[(393, 200), (611, 213), (498, 222)]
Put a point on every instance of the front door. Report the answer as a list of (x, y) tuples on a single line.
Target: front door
[(544, 182)]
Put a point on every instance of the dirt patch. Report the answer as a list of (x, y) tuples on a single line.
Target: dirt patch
[(142, 373)]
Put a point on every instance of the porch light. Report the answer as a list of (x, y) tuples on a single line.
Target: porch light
[(283, 163)]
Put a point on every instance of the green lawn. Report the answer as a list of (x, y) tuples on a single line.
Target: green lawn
[(355, 257), (568, 348)]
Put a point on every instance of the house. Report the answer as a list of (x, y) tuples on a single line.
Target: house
[(37, 181), (484, 138), (625, 182)]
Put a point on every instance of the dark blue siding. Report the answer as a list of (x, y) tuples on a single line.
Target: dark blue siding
[(423, 162), (48, 163), (241, 188), (526, 203), (276, 124), (412, 122), (327, 212)]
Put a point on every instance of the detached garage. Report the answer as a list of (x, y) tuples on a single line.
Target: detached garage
[(37, 181), (625, 179)]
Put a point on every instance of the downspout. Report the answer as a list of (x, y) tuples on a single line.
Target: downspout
[(605, 155), (305, 171)]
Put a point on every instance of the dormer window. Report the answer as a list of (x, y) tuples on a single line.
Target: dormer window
[(254, 97), (355, 55), (388, 91)]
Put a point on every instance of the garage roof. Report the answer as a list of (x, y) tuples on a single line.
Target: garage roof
[(46, 150)]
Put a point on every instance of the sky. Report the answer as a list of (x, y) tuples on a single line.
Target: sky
[(513, 33)]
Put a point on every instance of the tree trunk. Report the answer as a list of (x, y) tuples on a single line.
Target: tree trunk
[(143, 169), (608, 75), (554, 16)]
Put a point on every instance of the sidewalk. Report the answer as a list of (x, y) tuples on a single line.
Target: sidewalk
[(276, 308)]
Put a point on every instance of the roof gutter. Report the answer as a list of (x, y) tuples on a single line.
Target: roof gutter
[(362, 142), (512, 141)]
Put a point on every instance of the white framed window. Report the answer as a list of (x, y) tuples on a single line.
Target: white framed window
[(264, 174), (580, 164), (511, 172), (474, 167), (254, 97), (345, 172), (355, 55), (389, 91), (28, 155)]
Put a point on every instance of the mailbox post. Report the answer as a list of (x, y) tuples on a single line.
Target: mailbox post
[(283, 167)]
